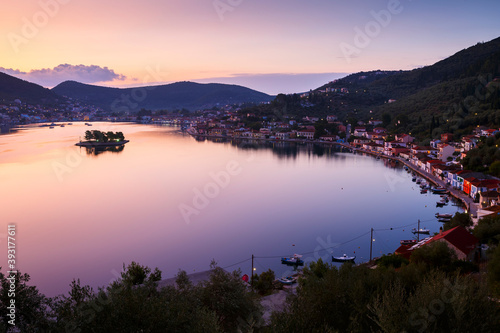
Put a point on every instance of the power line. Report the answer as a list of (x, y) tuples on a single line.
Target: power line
[(328, 248), (403, 226), (311, 252), (237, 263)]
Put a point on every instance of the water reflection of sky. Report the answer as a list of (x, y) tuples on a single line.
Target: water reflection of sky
[(83, 215)]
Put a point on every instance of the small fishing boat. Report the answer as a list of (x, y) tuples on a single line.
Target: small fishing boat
[(419, 181), (344, 258), (423, 191), (440, 203), (288, 280), (444, 216), (408, 241), (414, 179), (293, 260), (439, 190), (421, 231), (443, 220)]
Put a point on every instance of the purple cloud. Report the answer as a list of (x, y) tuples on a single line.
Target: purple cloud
[(50, 77)]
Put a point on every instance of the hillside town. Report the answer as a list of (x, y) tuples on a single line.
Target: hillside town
[(18, 112)]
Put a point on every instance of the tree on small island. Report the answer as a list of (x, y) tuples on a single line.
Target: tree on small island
[(99, 136)]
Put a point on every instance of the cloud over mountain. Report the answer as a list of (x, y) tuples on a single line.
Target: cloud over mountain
[(50, 77)]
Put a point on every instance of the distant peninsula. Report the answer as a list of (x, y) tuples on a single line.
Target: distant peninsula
[(102, 139)]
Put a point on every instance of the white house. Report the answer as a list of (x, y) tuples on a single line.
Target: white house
[(283, 135), (308, 134), (404, 138), (331, 118), (445, 151), (359, 131)]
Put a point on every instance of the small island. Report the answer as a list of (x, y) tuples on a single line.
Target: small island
[(102, 139)]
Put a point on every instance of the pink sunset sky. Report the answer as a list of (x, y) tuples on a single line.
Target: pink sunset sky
[(272, 46)]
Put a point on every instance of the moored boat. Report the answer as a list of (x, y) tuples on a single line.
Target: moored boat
[(443, 220), (293, 260), (444, 216), (439, 190), (344, 258), (421, 231), (440, 203)]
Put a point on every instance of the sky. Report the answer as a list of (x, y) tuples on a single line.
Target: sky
[(272, 46)]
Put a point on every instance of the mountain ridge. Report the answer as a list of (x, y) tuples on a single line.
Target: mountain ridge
[(178, 95), (12, 88)]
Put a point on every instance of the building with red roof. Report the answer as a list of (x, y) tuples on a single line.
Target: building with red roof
[(462, 242)]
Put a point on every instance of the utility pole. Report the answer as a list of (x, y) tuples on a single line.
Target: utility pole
[(418, 232), (371, 243), (251, 281)]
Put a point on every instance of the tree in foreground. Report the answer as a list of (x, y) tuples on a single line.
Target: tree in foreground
[(264, 283), (228, 296), (32, 309), (414, 299), (134, 303)]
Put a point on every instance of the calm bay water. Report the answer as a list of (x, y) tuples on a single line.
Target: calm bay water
[(169, 201)]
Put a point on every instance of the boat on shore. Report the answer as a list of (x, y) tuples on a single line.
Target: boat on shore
[(293, 260), (289, 280), (408, 242), (421, 231), (344, 258)]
